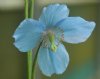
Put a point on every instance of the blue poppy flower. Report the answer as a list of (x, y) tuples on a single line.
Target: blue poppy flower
[(53, 27)]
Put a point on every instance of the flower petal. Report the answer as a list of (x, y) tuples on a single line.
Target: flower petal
[(53, 14), (76, 29), (53, 62), (60, 59), (45, 62), (27, 35)]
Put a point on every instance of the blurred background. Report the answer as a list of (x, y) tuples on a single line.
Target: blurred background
[(84, 57)]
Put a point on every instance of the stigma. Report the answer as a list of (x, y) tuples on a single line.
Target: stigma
[(51, 36)]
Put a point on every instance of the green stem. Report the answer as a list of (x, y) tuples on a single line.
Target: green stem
[(29, 57), (31, 8), (29, 54), (31, 71), (26, 9), (35, 60)]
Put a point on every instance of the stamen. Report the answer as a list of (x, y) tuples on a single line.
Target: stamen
[(52, 38)]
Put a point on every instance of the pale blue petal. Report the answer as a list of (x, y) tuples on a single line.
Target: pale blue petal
[(28, 34), (76, 29), (53, 14), (60, 59), (45, 62), (53, 62)]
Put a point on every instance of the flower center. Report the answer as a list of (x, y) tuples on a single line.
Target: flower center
[(51, 36)]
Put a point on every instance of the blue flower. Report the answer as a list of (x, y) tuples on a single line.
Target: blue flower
[(53, 27)]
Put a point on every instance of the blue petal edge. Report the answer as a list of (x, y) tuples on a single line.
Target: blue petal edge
[(76, 29), (53, 62), (28, 34)]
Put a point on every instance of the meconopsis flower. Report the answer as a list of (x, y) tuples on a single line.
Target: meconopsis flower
[(53, 27)]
